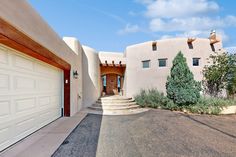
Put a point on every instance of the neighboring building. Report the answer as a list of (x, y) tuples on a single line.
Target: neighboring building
[(43, 77)]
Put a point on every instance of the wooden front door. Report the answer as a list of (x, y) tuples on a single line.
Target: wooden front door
[(111, 84)]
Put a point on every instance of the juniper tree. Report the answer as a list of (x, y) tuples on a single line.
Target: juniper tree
[(181, 86)]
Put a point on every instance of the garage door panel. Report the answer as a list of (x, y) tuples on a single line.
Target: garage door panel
[(4, 81), (40, 68), (56, 84), (44, 84), (47, 115), (25, 125), (22, 62), (55, 99), (44, 116), (3, 56), (5, 137), (25, 104), (30, 95), (5, 134), (24, 83), (44, 101), (50, 105), (5, 109)]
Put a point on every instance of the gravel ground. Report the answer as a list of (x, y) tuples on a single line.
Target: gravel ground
[(152, 134)]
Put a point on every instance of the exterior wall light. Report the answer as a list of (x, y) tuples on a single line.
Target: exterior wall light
[(75, 74)]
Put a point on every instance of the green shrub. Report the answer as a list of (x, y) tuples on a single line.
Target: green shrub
[(210, 105), (205, 105), (181, 86), (150, 98), (140, 98), (170, 105)]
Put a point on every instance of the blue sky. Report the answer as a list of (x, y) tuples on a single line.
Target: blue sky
[(111, 25)]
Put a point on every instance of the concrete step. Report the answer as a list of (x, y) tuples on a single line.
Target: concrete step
[(115, 104), (116, 112), (114, 107), (114, 98), (114, 101)]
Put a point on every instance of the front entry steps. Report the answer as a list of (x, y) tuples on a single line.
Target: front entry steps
[(115, 105)]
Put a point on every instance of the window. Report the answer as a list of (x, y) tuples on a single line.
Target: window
[(196, 61), (154, 46), (146, 64), (162, 62), (104, 82), (118, 82)]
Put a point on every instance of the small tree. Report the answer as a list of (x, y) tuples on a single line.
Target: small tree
[(221, 74), (181, 86), (231, 76)]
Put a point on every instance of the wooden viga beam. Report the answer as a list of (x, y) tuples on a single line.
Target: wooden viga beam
[(190, 40), (213, 41)]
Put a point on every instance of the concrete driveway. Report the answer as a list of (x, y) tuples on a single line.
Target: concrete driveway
[(151, 134)]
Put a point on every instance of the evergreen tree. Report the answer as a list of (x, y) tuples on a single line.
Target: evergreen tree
[(181, 86)]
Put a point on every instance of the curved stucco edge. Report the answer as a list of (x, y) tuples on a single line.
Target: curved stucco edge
[(91, 76)]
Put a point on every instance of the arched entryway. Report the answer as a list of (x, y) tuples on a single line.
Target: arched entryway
[(112, 79), (112, 84)]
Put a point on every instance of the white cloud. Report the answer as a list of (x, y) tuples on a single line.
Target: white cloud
[(129, 28), (186, 18), (192, 23), (197, 33), (178, 8)]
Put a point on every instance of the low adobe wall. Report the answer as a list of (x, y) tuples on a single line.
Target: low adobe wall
[(229, 110)]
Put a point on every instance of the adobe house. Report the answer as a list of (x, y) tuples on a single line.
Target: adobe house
[(43, 77)]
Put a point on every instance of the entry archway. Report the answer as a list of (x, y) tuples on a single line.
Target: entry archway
[(112, 84), (112, 79)]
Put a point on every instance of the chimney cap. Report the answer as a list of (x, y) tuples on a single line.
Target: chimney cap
[(213, 31)]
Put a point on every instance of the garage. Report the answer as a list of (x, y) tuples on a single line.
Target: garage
[(31, 95)]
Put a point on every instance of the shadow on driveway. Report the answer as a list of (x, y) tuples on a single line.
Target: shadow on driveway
[(209, 126), (151, 134), (83, 140)]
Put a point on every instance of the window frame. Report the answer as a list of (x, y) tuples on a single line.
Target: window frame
[(162, 59), (198, 59), (146, 61)]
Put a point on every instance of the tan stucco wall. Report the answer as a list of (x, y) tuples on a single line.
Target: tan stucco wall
[(74, 44), (22, 16), (137, 78), (91, 76)]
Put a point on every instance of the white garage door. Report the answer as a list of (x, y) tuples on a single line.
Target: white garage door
[(30, 95)]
